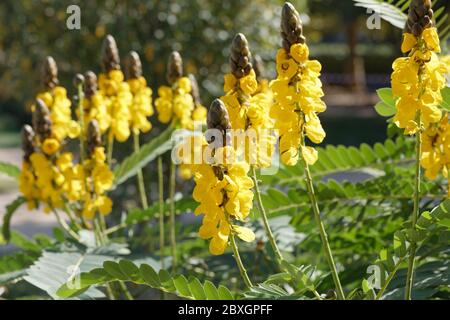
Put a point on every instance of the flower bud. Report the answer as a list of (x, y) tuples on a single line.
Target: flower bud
[(195, 92), (78, 80), (174, 67), (28, 146), (258, 66), (94, 138), (133, 65), (90, 84), (49, 73), (291, 27), (42, 124), (110, 54), (420, 16), (240, 56)]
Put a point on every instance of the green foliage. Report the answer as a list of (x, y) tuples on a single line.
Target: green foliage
[(10, 209), (147, 153), (144, 274), (9, 169)]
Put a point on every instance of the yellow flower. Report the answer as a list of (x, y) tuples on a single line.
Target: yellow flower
[(299, 52), (50, 146), (431, 38), (248, 83), (141, 107), (409, 42), (230, 82)]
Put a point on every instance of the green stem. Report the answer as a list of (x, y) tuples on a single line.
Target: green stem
[(140, 175), (265, 220), (415, 213), (173, 241), (161, 210), (389, 279), (241, 267), (65, 226), (323, 234), (125, 290)]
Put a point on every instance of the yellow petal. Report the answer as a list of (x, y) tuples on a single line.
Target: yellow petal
[(310, 155), (244, 233)]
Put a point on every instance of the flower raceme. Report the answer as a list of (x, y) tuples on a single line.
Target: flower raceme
[(141, 107), (223, 190), (435, 155), (298, 99), (248, 106), (115, 91), (175, 103), (417, 81)]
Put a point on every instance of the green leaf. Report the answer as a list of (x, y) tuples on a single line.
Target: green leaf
[(197, 290), (445, 98), (131, 270), (224, 293), (400, 244), (9, 169), (147, 153), (384, 110), (385, 94), (182, 285), (149, 275), (10, 209), (211, 291), (114, 270)]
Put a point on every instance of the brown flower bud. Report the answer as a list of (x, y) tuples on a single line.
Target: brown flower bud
[(291, 26), (218, 118), (42, 124), (78, 80), (90, 84), (174, 67), (258, 66), (94, 138), (240, 56), (28, 146), (420, 17), (49, 73), (133, 66), (195, 92), (110, 54)]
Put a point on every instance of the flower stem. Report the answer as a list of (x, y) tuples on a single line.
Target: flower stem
[(241, 267), (173, 241), (161, 210), (323, 234), (415, 213), (263, 214), (140, 175)]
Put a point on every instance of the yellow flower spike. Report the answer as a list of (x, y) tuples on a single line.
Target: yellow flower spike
[(230, 82)]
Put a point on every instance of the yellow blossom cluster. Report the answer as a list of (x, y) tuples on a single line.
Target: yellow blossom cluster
[(248, 108), (118, 99), (177, 105), (223, 190), (60, 113), (417, 81), (298, 99), (141, 107), (435, 155), (95, 108)]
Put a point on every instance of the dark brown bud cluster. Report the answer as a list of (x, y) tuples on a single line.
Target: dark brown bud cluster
[(94, 137), (49, 73), (195, 92), (110, 54), (42, 124), (258, 66), (240, 58), (90, 84), (420, 17), (28, 146), (218, 118), (291, 27), (133, 66), (174, 67)]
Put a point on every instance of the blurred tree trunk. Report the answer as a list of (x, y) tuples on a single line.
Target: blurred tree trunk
[(355, 66)]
